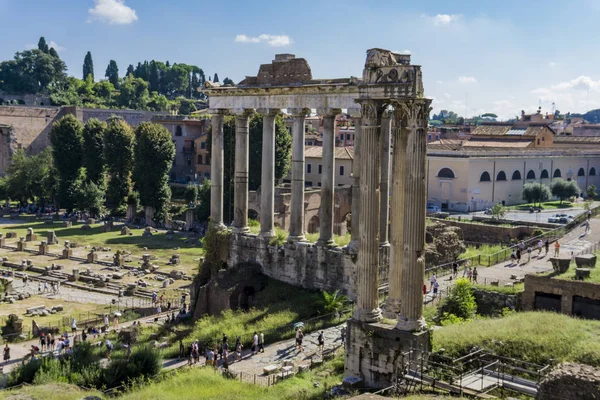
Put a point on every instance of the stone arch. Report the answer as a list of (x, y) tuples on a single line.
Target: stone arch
[(557, 173), (501, 176), (581, 172), (592, 172), (446, 173), (516, 176), (313, 224), (485, 177), (531, 174)]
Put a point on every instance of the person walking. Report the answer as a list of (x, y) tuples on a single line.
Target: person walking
[(433, 279), (261, 342), (470, 274), (589, 214), (321, 341), (436, 285), (73, 325), (454, 269), (556, 249), (6, 354), (105, 323), (519, 256), (238, 351), (109, 348), (540, 245), (43, 341), (181, 350), (255, 343), (299, 337), (466, 270), (116, 322), (343, 334), (475, 273), (587, 226), (528, 253), (547, 246)]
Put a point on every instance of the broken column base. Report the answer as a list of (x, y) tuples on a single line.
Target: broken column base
[(67, 253), (374, 352)]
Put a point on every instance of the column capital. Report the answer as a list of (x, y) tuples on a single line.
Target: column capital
[(412, 113), (299, 112), (271, 112), (329, 112), (242, 112), (371, 111), (354, 113)]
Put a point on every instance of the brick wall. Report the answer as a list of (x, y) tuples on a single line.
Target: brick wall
[(483, 233), (564, 288)]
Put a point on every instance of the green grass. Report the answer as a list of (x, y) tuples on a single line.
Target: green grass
[(570, 273), (515, 289), (54, 391), (157, 245), (549, 205), (485, 251), (537, 337), (339, 240)]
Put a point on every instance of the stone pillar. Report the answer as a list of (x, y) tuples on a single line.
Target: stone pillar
[(43, 248), (130, 212), (327, 178), (400, 136), (355, 211), (190, 217), (149, 215), (384, 209), (367, 266), (216, 169), (411, 307), (298, 173), (240, 207), (267, 187)]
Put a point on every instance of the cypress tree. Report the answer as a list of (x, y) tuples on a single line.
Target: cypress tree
[(88, 66)]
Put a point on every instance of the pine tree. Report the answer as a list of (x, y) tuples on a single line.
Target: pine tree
[(154, 78), (53, 52), (88, 66), (112, 73), (130, 70), (42, 45), (216, 78)]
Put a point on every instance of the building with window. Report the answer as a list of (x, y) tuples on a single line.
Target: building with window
[(314, 166)]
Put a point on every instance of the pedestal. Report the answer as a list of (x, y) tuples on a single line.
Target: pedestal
[(20, 245), (92, 257), (67, 253)]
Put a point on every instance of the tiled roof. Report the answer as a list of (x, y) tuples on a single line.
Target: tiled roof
[(491, 130), (520, 144), (341, 153), (576, 139)]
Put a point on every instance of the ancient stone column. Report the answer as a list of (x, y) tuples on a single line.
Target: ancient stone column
[(400, 136), (240, 206), (367, 266), (355, 211), (384, 211), (327, 178), (216, 169), (267, 186), (298, 172), (411, 305)]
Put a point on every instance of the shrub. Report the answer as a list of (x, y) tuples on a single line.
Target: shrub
[(24, 373), (144, 362), (461, 302), (191, 194), (279, 238), (333, 302)]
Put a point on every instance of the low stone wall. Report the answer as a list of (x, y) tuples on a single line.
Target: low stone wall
[(302, 264), (571, 381), (560, 289), (492, 303), (484, 233)]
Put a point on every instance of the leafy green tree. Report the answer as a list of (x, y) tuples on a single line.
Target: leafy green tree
[(42, 45), (191, 194), (591, 191), (227, 81), (119, 142), (154, 154), (53, 52), (90, 196), (130, 70), (203, 207), (112, 73), (216, 78), (461, 301), (134, 93), (88, 66), (534, 192), (498, 211), (66, 138), (93, 148), (564, 189), (31, 71), (17, 180), (186, 107), (333, 302)]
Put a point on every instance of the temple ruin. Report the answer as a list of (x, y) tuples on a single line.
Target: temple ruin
[(390, 113)]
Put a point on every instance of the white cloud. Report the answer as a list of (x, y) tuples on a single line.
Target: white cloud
[(56, 46), (551, 64), (447, 95), (442, 19), (112, 12), (580, 83), (271, 40), (467, 79)]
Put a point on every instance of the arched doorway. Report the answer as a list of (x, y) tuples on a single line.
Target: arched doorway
[(313, 224)]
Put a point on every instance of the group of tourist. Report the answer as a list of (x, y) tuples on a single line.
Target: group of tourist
[(222, 350)]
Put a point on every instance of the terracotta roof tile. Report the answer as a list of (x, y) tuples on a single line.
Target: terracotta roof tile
[(341, 153)]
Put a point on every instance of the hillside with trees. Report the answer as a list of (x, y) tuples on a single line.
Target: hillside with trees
[(150, 85)]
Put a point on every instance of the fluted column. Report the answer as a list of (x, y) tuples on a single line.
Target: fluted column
[(355, 211), (298, 172), (411, 306), (399, 145), (384, 209), (327, 178), (367, 297), (216, 168), (267, 185), (240, 207)]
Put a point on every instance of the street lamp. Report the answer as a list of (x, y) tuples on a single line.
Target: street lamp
[(540, 193)]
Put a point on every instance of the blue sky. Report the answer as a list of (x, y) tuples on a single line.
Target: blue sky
[(478, 56)]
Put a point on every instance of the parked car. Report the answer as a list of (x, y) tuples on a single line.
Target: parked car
[(560, 218), (433, 209)]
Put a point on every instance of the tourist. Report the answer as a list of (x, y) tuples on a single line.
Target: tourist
[(225, 359), (433, 279), (529, 253), (261, 342), (470, 274), (83, 335), (255, 343), (116, 322), (540, 245), (238, 340), (424, 288), (105, 323), (73, 325), (209, 356), (238, 351), (45, 287), (299, 338), (521, 246), (50, 341), (43, 341), (225, 339), (587, 226), (168, 306), (195, 352), (158, 309), (589, 214), (34, 350), (161, 298), (436, 285), (454, 269), (215, 354), (181, 350), (6, 354), (61, 345), (556, 249), (343, 334), (95, 332), (321, 341), (66, 342), (109, 348), (547, 246), (475, 273), (220, 350), (466, 270)]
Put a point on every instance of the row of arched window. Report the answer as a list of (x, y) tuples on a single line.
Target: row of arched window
[(501, 176)]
